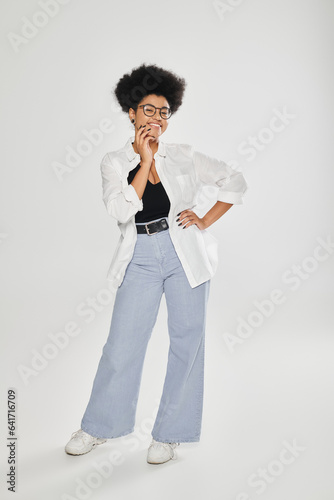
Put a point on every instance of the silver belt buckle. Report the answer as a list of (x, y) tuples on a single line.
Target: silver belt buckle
[(148, 231)]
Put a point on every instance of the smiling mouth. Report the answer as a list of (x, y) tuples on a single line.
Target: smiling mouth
[(155, 125)]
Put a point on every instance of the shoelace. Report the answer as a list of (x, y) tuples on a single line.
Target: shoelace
[(156, 444), (80, 434)]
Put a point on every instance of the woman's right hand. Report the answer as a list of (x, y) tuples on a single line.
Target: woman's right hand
[(142, 139)]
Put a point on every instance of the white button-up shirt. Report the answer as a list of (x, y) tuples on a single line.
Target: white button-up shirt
[(182, 172)]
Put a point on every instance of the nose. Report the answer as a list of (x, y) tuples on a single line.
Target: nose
[(156, 111)]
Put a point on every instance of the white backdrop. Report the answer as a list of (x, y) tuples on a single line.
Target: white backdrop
[(259, 95)]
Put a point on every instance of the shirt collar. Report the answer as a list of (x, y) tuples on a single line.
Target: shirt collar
[(131, 154)]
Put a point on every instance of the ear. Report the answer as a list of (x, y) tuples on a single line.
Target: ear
[(132, 114)]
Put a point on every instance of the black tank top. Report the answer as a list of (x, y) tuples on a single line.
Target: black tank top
[(156, 203)]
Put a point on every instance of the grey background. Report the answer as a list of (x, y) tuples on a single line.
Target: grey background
[(56, 242)]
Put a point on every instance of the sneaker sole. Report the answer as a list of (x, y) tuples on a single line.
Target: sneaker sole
[(83, 452), (151, 461), (157, 463)]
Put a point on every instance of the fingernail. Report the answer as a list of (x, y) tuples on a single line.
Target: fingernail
[(144, 126), (184, 227), (177, 219), (148, 129), (178, 214), (180, 224)]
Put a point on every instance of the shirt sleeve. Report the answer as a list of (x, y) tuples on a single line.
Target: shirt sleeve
[(232, 184), (121, 203)]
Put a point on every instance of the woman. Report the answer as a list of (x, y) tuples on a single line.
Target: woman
[(151, 189)]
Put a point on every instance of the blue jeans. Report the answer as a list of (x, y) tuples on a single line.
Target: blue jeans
[(154, 269)]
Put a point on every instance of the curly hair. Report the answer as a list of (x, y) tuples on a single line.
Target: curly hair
[(149, 79)]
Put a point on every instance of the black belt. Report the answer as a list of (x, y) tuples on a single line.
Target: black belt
[(152, 227)]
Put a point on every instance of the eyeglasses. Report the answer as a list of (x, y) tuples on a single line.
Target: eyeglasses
[(149, 110)]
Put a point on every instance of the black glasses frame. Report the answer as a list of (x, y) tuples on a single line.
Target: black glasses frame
[(155, 109)]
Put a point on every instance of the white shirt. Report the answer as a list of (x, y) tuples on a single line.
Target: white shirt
[(182, 172)]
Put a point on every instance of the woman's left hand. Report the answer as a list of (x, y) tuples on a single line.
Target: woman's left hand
[(187, 218)]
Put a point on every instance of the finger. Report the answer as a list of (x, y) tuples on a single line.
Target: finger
[(140, 130), (144, 135), (143, 131), (186, 213), (184, 220), (189, 223)]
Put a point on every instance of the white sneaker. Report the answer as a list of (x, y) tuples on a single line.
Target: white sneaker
[(159, 453), (81, 442)]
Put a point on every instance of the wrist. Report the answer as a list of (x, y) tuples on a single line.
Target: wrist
[(146, 164), (205, 222)]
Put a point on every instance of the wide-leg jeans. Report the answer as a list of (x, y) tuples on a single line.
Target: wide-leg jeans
[(154, 269)]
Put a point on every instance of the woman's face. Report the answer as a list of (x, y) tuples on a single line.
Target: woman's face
[(157, 124)]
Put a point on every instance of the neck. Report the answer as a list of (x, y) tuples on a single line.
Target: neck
[(154, 146)]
